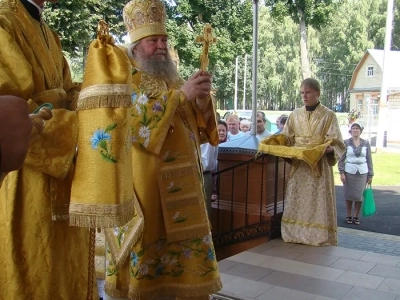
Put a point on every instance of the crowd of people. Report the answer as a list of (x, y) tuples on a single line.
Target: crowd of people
[(174, 140), (238, 128)]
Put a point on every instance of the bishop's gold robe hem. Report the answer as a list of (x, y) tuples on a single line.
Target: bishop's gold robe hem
[(184, 291)]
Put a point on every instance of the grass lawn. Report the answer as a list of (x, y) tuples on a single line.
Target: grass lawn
[(386, 169)]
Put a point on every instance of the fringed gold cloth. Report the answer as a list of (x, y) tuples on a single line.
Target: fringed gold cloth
[(102, 193), (308, 149)]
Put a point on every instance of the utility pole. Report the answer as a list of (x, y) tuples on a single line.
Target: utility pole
[(244, 82), (236, 83), (383, 108), (255, 65)]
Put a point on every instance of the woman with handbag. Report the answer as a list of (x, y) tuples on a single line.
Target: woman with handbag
[(356, 171)]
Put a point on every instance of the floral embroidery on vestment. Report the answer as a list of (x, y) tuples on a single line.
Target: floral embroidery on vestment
[(163, 258), (150, 113), (101, 138)]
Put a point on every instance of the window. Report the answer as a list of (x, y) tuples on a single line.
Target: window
[(375, 107), (359, 105), (370, 71)]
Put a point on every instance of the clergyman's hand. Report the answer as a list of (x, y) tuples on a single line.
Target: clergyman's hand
[(15, 129), (197, 86)]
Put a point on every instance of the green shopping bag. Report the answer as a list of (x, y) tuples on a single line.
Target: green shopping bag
[(369, 203)]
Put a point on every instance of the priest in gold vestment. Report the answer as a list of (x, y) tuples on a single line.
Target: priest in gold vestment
[(173, 258), (312, 139), (41, 256)]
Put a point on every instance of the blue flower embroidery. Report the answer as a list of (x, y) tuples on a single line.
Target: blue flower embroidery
[(100, 141), (134, 96), (98, 137), (210, 254), (134, 259)]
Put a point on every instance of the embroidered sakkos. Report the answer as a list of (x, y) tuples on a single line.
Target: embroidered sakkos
[(175, 254)]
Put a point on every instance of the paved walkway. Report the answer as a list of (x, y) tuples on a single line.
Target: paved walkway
[(365, 266), (387, 218), (369, 241)]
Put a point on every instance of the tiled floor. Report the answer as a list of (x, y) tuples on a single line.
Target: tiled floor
[(283, 271)]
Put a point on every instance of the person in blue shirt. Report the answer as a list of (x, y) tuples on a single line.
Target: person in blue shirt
[(280, 123)]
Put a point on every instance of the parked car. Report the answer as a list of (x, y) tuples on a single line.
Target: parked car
[(242, 114)]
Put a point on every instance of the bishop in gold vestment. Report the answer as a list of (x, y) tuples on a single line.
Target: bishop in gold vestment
[(312, 139), (174, 255), (41, 256)]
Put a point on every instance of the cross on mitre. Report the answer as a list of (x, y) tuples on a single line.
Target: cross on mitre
[(206, 39)]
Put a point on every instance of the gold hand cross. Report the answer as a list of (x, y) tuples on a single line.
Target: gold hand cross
[(206, 39)]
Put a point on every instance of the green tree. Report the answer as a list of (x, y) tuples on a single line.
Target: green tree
[(396, 27), (232, 23), (355, 26), (279, 61), (76, 21), (306, 13)]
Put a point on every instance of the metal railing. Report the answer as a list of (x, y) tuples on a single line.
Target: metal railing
[(251, 199)]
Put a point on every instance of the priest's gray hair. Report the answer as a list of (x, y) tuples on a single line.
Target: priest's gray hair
[(130, 49)]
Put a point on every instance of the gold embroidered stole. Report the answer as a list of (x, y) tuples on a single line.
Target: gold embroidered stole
[(181, 189)]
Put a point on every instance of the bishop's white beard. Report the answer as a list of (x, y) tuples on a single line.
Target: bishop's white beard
[(154, 66)]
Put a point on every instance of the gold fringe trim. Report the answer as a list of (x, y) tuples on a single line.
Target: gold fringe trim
[(172, 290), (104, 101), (106, 90), (119, 255), (310, 225), (101, 216)]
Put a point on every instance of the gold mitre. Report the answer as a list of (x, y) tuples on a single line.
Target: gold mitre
[(145, 18)]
